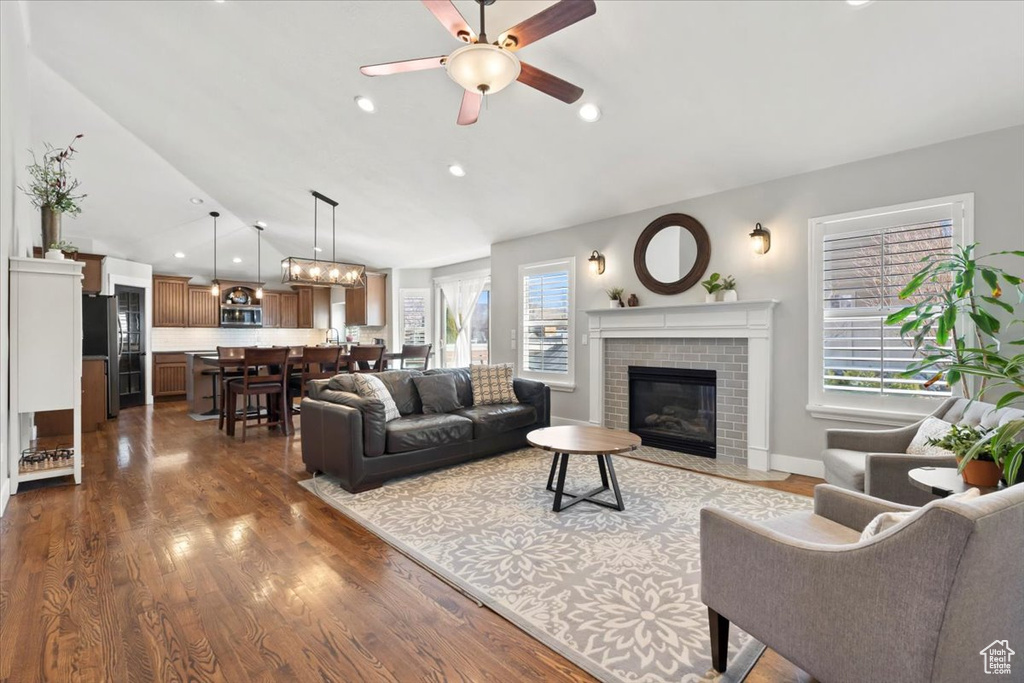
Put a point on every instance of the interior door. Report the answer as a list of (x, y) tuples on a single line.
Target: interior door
[(131, 345)]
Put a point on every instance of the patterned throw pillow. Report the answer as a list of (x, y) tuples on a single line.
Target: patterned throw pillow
[(492, 384), (931, 428), (371, 387)]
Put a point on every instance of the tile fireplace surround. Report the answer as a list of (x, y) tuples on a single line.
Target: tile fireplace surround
[(705, 335)]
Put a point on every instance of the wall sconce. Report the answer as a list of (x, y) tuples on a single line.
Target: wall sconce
[(596, 262), (761, 240)]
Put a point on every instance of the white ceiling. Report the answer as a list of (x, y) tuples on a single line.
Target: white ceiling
[(250, 105)]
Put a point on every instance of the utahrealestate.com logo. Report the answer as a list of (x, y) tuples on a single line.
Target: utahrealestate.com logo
[(997, 658)]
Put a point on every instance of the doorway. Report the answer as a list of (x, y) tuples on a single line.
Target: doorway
[(131, 345)]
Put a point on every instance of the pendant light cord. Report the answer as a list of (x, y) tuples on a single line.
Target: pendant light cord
[(334, 240)]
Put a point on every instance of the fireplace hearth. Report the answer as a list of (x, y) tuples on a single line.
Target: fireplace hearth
[(674, 408)]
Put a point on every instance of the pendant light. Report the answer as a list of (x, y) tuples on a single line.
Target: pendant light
[(215, 289), (259, 269), (319, 272)]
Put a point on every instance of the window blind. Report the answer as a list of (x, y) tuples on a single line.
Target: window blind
[(414, 318), (545, 346)]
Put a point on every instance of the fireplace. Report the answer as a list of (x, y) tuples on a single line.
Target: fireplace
[(674, 409)]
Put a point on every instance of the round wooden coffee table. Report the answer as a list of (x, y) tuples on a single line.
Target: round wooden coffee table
[(583, 440)]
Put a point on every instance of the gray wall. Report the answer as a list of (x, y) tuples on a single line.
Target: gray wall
[(991, 165)]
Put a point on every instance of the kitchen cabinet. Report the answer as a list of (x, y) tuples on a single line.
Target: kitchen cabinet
[(314, 307), (92, 273), (169, 374), (271, 309), (170, 301), (94, 393), (203, 307), (289, 310), (305, 307), (367, 306)]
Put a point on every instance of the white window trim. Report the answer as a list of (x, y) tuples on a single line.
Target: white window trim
[(427, 295), (874, 409), (556, 381)]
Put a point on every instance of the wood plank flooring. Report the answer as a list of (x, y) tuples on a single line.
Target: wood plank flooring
[(188, 556)]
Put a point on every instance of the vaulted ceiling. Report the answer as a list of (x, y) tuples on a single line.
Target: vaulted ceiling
[(249, 105)]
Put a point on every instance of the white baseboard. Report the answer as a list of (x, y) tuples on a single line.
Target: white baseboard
[(563, 421), (5, 495), (795, 465)]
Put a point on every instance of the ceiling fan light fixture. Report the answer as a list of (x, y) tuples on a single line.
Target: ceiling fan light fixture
[(366, 104), (457, 170), (590, 112), (482, 68)]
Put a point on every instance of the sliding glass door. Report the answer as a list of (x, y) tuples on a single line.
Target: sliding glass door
[(465, 321)]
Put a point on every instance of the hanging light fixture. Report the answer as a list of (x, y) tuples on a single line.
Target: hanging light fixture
[(318, 272), (215, 289), (259, 262)]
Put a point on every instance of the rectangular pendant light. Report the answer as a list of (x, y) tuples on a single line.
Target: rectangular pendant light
[(317, 272)]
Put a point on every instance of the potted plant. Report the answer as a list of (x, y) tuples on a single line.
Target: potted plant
[(615, 296), (712, 285), (57, 250), (729, 288), (973, 448), (53, 189)]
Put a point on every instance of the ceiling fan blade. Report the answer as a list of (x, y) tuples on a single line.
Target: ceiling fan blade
[(548, 84), (469, 112), (542, 24), (401, 67), (451, 19)]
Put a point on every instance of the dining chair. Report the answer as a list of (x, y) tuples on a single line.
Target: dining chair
[(418, 353), (317, 362), (273, 385), (368, 358), (226, 374)]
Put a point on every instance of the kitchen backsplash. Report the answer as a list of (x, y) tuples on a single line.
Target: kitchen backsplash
[(209, 338)]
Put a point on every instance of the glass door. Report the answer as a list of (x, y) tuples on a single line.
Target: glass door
[(131, 345), (465, 318)]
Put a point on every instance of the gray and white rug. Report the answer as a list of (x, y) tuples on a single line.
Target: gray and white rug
[(618, 593)]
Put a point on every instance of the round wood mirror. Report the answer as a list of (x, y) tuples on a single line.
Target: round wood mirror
[(672, 254)]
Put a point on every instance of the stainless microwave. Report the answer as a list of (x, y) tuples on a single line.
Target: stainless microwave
[(241, 316)]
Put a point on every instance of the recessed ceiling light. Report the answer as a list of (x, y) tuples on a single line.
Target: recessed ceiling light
[(318, 249), (590, 112), (179, 254), (858, 3), (366, 104), (236, 260), (261, 224), (457, 170), (196, 200)]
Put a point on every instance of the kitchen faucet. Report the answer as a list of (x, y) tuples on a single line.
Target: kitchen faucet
[(337, 336)]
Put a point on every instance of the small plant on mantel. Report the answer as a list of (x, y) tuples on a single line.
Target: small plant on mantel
[(615, 296), (716, 283)]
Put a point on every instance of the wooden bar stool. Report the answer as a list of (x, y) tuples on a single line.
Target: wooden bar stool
[(418, 353), (367, 358), (273, 384), (318, 362), (226, 374)]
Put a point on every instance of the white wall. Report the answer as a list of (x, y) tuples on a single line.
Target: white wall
[(18, 220), (991, 165)]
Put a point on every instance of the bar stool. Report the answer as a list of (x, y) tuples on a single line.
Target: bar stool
[(420, 353), (317, 363), (368, 358), (227, 373), (273, 384)]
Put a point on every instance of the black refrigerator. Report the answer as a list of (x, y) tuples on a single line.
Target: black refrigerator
[(100, 339)]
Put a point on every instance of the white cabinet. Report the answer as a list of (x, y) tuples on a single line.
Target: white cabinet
[(46, 355)]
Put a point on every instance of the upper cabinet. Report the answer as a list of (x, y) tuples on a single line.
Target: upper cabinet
[(92, 273), (203, 307), (271, 309), (289, 309), (367, 306), (171, 301), (314, 307)]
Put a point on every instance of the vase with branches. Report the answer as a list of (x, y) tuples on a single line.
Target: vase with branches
[(52, 189)]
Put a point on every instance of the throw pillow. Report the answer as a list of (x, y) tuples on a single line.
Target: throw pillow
[(889, 520), (371, 387), (492, 384), (437, 392), (931, 428)]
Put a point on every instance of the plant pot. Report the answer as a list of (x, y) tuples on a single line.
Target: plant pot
[(984, 473), (51, 227), (54, 255), (729, 295), (711, 297), (614, 303)]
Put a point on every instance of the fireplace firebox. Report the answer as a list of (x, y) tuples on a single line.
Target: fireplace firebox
[(674, 409)]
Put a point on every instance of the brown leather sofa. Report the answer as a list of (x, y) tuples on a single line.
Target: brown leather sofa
[(345, 435)]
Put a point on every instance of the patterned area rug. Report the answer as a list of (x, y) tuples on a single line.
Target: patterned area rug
[(615, 592)]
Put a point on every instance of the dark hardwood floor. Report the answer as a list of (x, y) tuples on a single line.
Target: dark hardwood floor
[(186, 555)]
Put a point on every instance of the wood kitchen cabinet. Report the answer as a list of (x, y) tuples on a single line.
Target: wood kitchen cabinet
[(94, 393), (203, 307), (314, 307), (271, 309), (92, 273), (305, 307), (169, 374), (367, 306), (289, 310), (170, 301)]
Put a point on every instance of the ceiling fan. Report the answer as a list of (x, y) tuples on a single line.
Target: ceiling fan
[(483, 68)]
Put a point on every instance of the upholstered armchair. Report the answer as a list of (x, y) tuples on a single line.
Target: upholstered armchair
[(915, 603), (876, 461)]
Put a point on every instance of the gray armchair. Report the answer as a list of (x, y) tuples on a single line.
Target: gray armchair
[(913, 604), (876, 461)]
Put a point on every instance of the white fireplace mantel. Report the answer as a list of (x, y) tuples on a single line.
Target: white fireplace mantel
[(750, 320)]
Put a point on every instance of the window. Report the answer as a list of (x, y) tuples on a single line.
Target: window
[(415, 314), (465, 319), (546, 308), (859, 263)]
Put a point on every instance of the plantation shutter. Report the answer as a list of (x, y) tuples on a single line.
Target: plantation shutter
[(546, 310), (414, 316), (863, 272)]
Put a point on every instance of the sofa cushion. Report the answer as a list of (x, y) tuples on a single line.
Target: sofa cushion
[(812, 528), (402, 389), (845, 468), (416, 432), (498, 419), (492, 384), (463, 386), (980, 414), (370, 387), (437, 392)]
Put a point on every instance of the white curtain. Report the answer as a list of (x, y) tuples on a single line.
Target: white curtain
[(461, 296)]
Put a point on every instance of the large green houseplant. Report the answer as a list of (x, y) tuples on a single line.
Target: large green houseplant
[(947, 351)]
